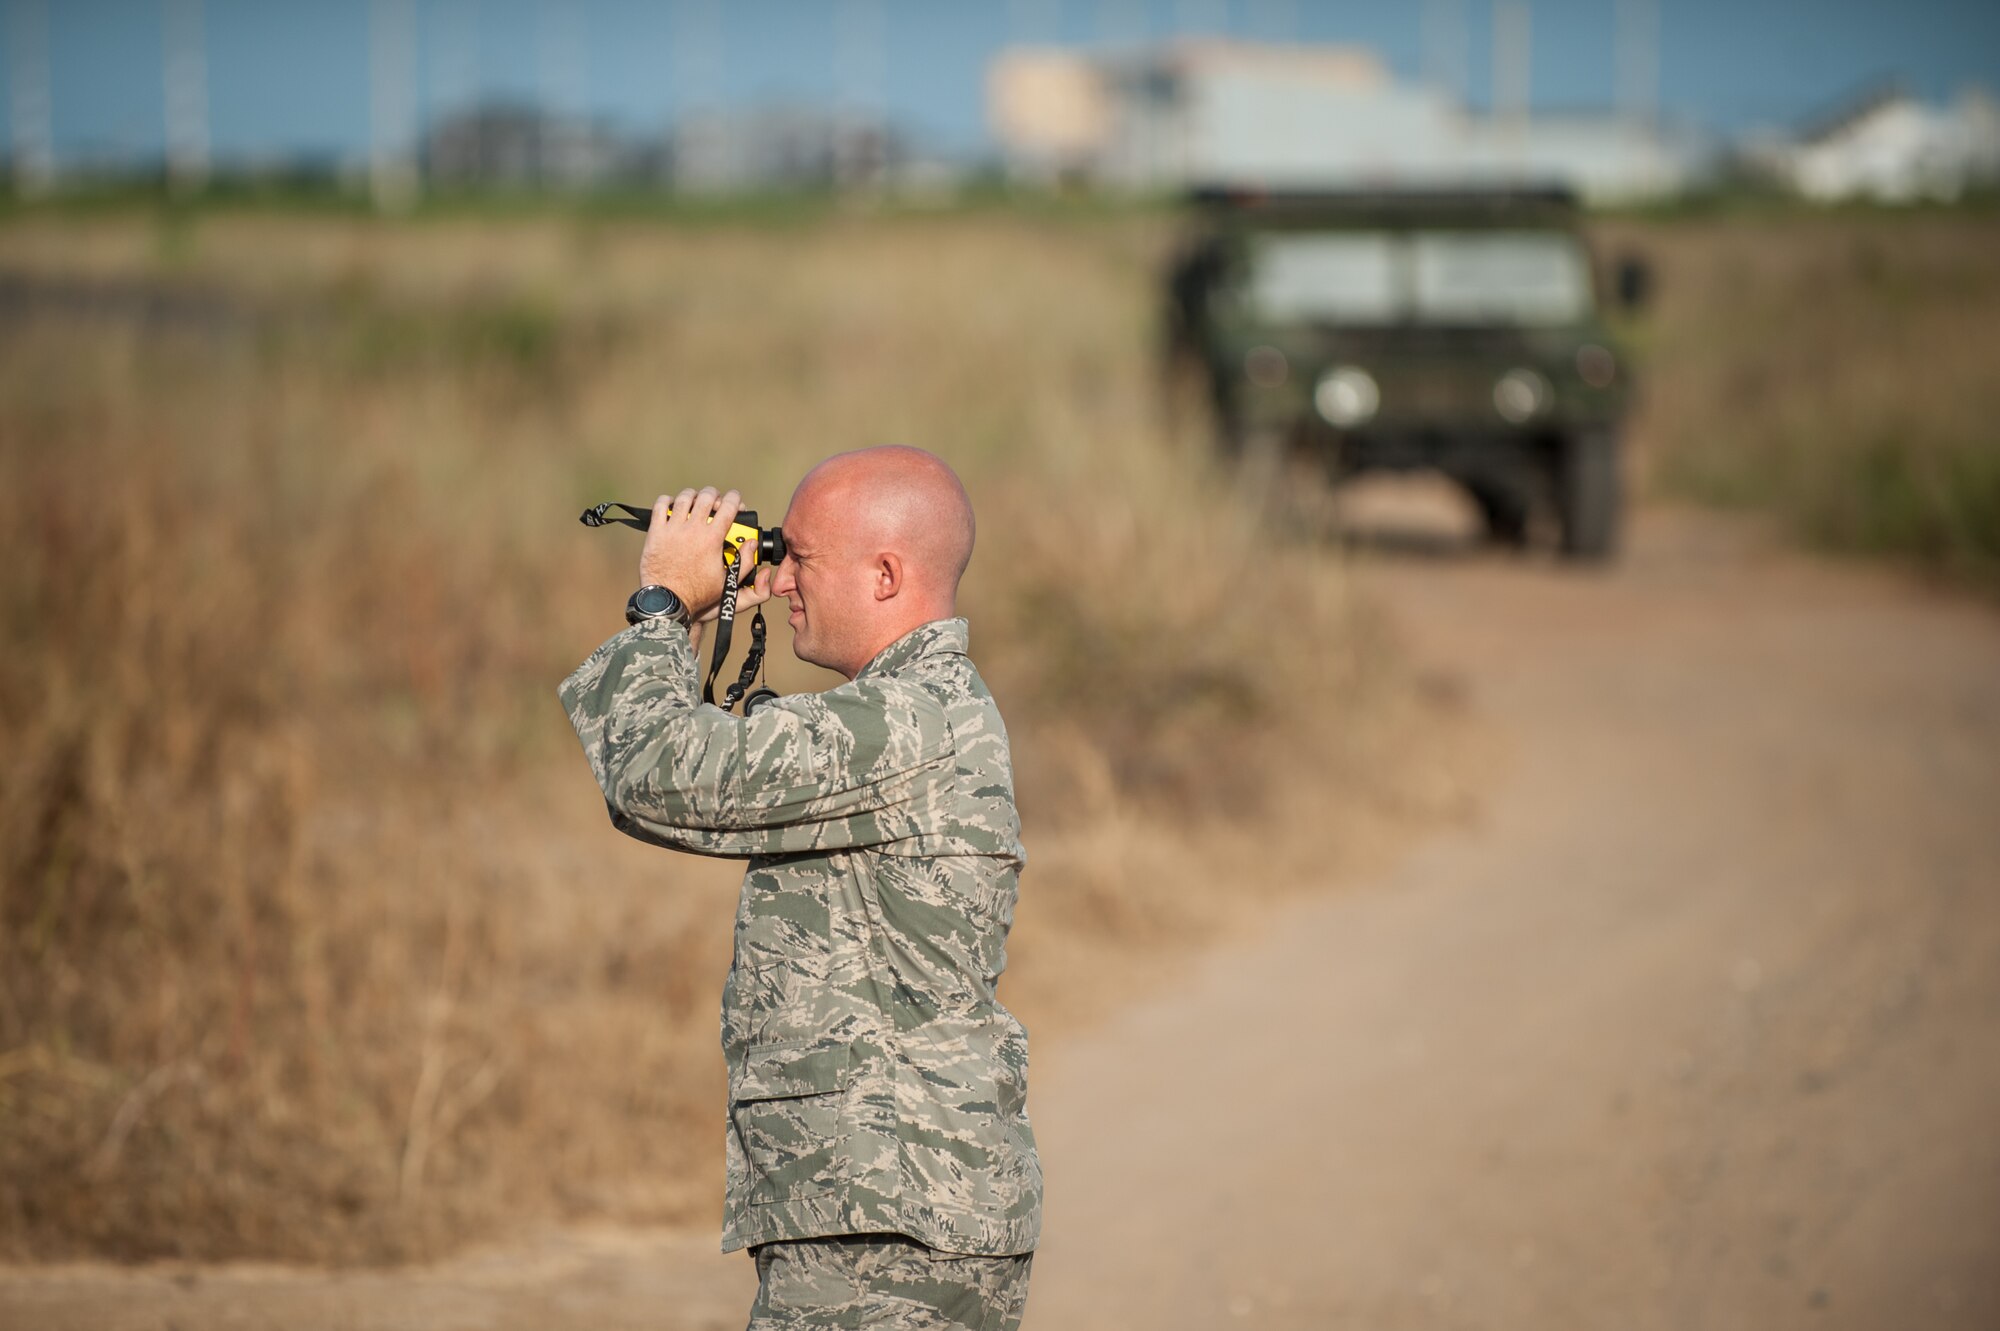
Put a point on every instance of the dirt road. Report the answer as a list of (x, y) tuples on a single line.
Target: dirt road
[(1696, 1025)]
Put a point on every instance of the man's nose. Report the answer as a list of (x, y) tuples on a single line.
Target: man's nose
[(782, 582)]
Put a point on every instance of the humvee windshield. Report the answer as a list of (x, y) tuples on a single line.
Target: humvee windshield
[(1436, 277)]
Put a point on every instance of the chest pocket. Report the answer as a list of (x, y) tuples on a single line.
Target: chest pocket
[(788, 1106)]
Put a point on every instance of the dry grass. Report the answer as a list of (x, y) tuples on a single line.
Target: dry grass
[(314, 942), (1838, 370)]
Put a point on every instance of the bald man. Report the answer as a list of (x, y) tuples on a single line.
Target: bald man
[(881, 1168)]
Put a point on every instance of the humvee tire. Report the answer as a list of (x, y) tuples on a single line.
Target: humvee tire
[(1503, 511), (1589, 497)]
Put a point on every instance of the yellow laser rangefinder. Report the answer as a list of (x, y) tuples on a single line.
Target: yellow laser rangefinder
[(767, 542)]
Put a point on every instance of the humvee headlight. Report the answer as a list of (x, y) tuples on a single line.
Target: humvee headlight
[(1521, 395), (1347, 396), (1266, 366)]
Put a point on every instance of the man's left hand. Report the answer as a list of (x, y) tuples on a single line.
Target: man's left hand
[(684, 547)]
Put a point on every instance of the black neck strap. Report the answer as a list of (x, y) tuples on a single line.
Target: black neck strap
[(753, 663), (725, 626), (597, 516)]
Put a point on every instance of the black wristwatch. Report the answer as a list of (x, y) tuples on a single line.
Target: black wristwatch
[(655, 602)]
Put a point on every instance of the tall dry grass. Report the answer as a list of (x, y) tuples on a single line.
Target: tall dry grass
[(314, 941), (1838, 370)]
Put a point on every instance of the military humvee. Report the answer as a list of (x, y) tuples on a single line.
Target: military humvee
[(1458, 330)]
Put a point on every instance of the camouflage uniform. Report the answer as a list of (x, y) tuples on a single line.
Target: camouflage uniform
[(871, 1280), (876, 1085)]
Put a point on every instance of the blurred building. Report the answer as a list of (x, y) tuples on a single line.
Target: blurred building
[(1215, 111), (520, 146), (511, 145), (1050, 111), (1889, 147), (784, 148)]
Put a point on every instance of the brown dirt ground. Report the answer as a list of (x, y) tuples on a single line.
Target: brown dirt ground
[(1695, 1022)]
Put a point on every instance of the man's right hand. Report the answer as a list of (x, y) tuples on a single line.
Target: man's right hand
[(683, 550), (691, 551)]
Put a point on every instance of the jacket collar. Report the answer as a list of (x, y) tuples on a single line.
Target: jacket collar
[(938, 638)]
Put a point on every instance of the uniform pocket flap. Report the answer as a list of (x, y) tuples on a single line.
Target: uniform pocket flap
[(779, 1071)]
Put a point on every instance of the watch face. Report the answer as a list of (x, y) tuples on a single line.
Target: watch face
[(655, 601)]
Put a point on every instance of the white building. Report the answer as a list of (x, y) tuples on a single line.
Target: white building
[(1218, 112), (1891, 148)]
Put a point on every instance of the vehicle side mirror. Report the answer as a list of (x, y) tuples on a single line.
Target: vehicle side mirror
[(1635, 283)]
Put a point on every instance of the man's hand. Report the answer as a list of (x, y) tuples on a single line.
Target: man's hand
[(683, 552)]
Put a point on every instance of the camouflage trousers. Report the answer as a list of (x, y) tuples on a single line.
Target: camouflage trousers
[(884, 1280)]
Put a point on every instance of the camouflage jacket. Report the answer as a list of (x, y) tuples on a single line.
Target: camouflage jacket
[(875, 1082)]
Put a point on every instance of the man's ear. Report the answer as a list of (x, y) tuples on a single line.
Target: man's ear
[(888, 576)]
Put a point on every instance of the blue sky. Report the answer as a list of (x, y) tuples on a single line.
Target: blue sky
[(291, 75)]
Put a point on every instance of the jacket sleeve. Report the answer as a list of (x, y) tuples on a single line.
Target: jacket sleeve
[(858, 765)]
